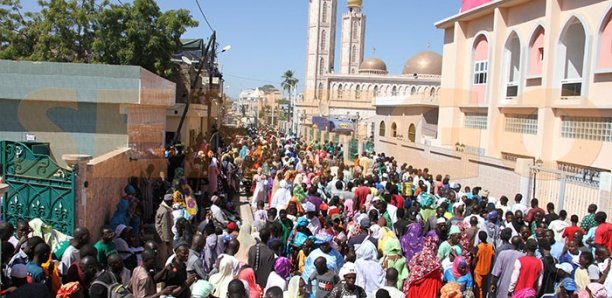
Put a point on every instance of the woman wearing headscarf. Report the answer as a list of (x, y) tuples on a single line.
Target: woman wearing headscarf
[(370, 274), (222, 279), (425, 271), (412, 240), (246, 241), (460, 273), (296, 288), (278, 277), (248, 275), (299, 194), (282, 196), (392, 258)]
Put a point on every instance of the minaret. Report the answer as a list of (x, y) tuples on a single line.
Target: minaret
[(353, 38), (321, 45)]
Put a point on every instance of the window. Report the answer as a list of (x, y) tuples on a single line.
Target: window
[(536, 52), (340, 91), (512, 57), (353, 58), (432, 92), (572, 46), (412, 133), (355, 30), (323, 39), (393, 129), (475, 120), (413, 91), (381, 129), (587, 128), (523, 124), (480, 72), (541, 53), (358, 92), (375, 93), (321, 66), (394, 91), (324, 13)]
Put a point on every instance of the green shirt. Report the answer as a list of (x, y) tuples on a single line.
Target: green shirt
[(105, 250)]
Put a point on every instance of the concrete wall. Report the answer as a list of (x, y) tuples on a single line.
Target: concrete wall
[(106, 176)]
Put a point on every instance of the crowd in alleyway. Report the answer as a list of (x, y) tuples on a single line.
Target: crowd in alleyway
[(321, 228)]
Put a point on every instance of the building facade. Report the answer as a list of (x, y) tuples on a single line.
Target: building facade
[(530, 79), (350, 97)]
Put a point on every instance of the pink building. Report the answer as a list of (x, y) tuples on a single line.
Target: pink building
[(530, 79)]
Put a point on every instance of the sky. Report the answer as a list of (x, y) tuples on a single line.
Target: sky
[(268, 37)]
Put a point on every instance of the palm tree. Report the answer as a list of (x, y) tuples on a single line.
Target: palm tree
[(289, 83)]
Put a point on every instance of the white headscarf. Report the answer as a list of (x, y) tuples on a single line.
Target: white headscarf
[(222, 279)]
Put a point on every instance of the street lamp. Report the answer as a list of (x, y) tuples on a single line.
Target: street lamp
[(537, 166)]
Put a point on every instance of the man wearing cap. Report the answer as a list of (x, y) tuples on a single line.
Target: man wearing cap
[(163, 225), (334, 259), (567, 284), (314, 225), (451, 246), (348, 288)]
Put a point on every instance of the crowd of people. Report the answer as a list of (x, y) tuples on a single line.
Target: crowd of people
[(321, 228)]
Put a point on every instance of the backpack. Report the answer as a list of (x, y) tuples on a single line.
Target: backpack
[(115, 289)]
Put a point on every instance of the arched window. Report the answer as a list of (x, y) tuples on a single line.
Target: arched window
[(381, 129), (413, 90), (572, 52), (323, 39), (432, 92), (512, 55), (324, 13), (394, 91), (393, 129), (358, 92), (480, 62), (536, 52), (375, 93), (320, 95), (354, 54), (412, 132), (340, 91), (321, 66), (355, 30), (604, 54)]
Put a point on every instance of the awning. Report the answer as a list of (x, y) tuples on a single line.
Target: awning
[(320, 123), (340, 126)]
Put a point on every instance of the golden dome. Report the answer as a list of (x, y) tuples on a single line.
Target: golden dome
[(373, 66), (424, 63), (355, 3)]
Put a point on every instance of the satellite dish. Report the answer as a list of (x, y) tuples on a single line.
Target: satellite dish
[(186, 60)]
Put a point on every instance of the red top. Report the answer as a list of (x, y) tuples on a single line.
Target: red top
[(531, 214), (397, 201), (603, 235), (531, 267), (568, 233), (361, 194)]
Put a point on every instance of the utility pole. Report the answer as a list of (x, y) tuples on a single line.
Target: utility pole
[(205, 58)]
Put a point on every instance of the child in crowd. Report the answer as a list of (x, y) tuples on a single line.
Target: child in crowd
[(323, 280), (482, 262)]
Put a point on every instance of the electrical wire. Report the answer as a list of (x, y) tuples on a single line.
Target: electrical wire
[(204, 16)]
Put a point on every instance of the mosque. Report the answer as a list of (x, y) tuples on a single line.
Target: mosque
[(344, 105)]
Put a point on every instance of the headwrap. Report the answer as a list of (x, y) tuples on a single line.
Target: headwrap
[(282, 266), (367, 251), (426, 261), (525, 293), (459, 261), (293, 289), (375, 231), (451, 290), (454, 230), (201, 289), (323, 238), (412, 240), (301, 222), (597, 290), (310, 207), (298, 192), (248, 275), (492, 215), (426, 200), (392, 247)]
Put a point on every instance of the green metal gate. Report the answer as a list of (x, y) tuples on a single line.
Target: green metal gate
[(38, 187)]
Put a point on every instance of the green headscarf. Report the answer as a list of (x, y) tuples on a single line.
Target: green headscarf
[(298, 193)]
